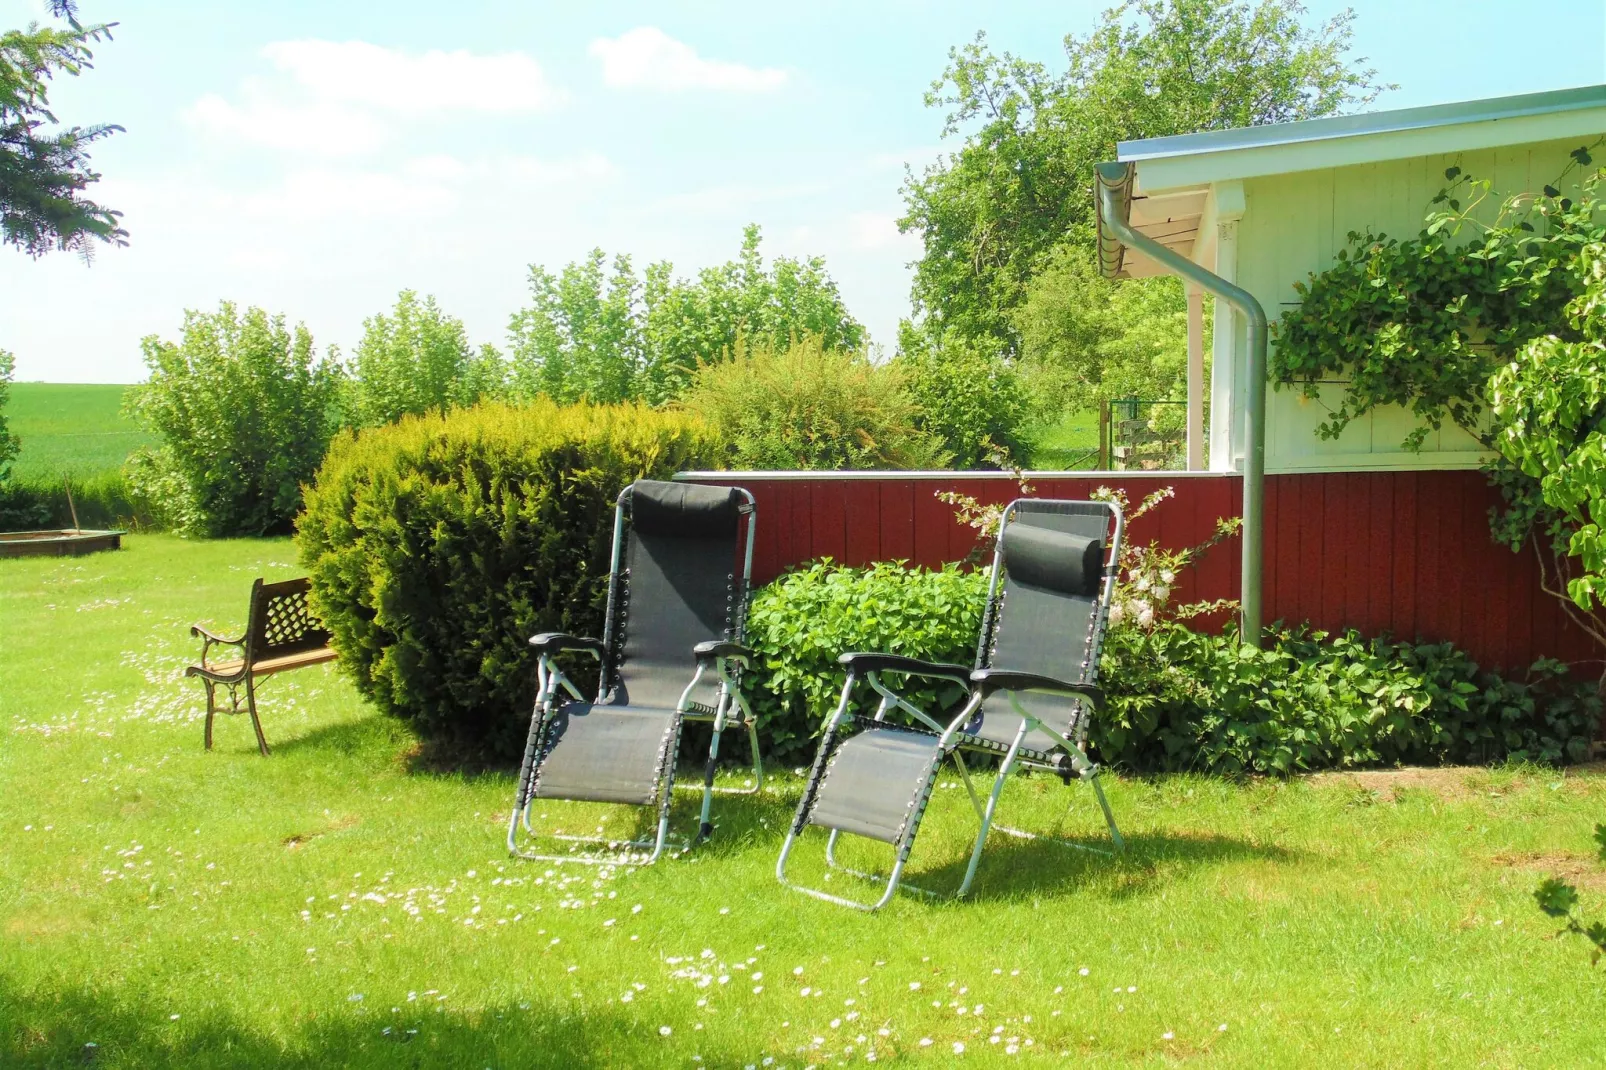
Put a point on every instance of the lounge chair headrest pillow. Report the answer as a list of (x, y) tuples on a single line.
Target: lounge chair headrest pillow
[(1058, 560), (684, 509)]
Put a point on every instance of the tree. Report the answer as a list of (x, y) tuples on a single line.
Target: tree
[(971, 400), (44, 169), (1085, 340), (606, 335), (992, 213), (9, 445), (245, 411), (416, 360)]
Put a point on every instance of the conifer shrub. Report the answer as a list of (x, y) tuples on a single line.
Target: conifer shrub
[(439, 544)]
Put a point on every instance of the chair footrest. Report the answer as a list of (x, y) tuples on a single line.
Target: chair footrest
[(876, 783)]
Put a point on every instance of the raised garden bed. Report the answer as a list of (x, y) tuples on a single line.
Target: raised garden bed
[(64, 542)]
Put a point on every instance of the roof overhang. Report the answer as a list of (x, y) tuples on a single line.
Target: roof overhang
[(1191, 161), (1171, 188)]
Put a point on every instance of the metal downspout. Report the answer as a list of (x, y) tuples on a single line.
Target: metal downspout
[(1114, 176)]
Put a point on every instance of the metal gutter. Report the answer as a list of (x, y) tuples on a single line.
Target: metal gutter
[(1114, 182), (1397, 120)]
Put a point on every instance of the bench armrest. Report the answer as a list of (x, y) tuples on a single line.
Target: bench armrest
[(212, 637), (860, 662), (715, 649), (988, 681), (549, 643)]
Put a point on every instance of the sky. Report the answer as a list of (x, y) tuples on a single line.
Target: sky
[(315, 158)]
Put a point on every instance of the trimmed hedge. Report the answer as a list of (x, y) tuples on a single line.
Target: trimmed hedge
[(438, 545), (1178, 699)]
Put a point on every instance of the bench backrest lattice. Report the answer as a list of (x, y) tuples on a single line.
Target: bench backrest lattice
[(282, 621)]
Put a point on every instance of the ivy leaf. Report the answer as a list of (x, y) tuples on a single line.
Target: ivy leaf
[(1451, 173), (1556, 898), (1552, 191)]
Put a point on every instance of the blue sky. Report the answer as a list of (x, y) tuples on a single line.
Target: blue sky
[(315, 158)]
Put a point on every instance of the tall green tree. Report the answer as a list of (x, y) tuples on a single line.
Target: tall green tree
[(415, 360), (9, 445), (245, 409), (1018, 186), (44, 167), (604, 333)]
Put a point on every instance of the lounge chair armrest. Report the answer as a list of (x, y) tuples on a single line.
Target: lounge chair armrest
[(715, 649), (988, 681), (860, 662), (559, 642)]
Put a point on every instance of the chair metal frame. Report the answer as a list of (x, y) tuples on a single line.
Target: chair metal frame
[(953, 741), (726, 658)]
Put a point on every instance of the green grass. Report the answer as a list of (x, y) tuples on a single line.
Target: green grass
[(1067, 445), (70, 429), (338, 905)]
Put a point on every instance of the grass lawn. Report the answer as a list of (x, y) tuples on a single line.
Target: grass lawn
[(1072, 443), (335, 905), (70, 429)]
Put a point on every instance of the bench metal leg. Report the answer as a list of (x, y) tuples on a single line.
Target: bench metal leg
[(211, 709), (256, 722)]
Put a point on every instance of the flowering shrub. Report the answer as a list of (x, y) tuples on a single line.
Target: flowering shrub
[(1148, 574)]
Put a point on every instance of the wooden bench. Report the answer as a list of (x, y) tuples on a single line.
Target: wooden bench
[(281, 633)]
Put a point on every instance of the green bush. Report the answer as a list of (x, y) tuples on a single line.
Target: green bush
[(103, 500), (244, 411), (1178, 699), (438, 545), (801, 623), (971, 400), (806, 405), (418, 359)]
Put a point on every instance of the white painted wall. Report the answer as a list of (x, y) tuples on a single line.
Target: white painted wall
[(1295, 224)]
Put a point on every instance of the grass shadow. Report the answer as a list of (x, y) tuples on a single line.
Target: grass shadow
[(79, 1026)]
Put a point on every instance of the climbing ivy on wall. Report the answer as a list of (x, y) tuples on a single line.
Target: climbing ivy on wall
[(1475, 300)]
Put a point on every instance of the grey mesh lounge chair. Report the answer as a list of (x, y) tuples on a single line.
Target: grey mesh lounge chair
[(670, 652), (1034, 680)]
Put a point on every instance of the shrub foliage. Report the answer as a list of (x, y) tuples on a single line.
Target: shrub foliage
[(438, 545), (245, 410), (1178, 699), (807, 405)]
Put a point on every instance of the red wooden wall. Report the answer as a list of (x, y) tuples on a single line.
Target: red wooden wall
[(1403, 552)]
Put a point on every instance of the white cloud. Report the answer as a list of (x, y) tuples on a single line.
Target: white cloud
[(648, 58), (338, 98), (391, 80), (876, 230)]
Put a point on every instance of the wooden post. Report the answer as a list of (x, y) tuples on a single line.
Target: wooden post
[(1195, 378), (1104, 436)]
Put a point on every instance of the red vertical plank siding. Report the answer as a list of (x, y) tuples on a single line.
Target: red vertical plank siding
[(862, 516), (829, 518), (898, 519), (1377, 521), (1402, 552), (932, 519)]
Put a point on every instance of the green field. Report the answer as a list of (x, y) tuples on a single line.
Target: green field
[(342, 904), (70, 429)]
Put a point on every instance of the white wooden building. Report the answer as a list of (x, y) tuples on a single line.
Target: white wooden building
[(1266, 206)]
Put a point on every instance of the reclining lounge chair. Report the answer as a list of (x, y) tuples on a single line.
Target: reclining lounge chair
[(670, 652), (1029, 694)]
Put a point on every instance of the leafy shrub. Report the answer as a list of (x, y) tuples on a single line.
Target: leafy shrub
[(439, 544), (418, 359), (629, 337), (103, 500), (1178, 699), (244, 411), (9, 446), (809, 406), (969, 399), (801, 623)]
